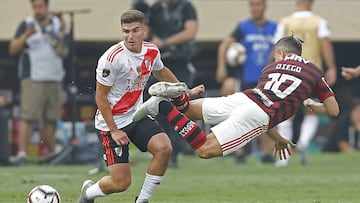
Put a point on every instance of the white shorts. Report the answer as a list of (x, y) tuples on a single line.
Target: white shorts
[(237, 120)]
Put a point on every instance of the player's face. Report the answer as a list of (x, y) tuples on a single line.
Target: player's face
[(133, 34), (257, 9), (40, 10)]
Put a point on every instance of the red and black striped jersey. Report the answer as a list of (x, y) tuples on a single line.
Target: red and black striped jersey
[(284, 85)]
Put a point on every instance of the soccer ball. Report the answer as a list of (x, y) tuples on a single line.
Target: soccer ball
[(43, 194), (236, 54)]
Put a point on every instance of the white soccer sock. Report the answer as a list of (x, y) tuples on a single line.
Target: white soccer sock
[(308, 130), (21, 154), (94, 191), (151, 182)]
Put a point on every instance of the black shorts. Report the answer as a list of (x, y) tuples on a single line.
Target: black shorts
[(139, 134)]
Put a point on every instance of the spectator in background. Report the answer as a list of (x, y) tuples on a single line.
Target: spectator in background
[(314, 31), (256, 34), (39, 50), (173, 27), (345, 137)]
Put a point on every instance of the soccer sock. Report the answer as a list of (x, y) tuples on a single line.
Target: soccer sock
[(308, 130), (181, 102), (187, 128), (94, 191), (21, 154), (151, 182)]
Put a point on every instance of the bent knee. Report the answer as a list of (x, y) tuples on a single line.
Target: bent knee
[(121, 186), (164, 150)]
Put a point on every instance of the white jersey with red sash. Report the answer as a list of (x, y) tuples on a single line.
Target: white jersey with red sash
[(127, 73)]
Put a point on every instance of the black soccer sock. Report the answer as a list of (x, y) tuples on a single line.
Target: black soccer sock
[(187, 128)]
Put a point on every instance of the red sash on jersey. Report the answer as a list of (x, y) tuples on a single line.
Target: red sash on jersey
[(129, 99)]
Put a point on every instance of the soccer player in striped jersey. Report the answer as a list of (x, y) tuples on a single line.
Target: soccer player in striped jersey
[(283, 86), (315, 32), (121, 75)]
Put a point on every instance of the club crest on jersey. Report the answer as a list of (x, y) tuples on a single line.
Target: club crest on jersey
[(147, 63), (106, 72)]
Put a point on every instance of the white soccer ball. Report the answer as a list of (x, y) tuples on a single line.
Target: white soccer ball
[(236, 54), (43, 194)]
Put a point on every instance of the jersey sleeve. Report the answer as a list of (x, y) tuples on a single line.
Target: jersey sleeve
[(237, 33), (190, 12), (323, 90), (279, 33), (158, 64), (324, 30), (20, 30), (105, 72)]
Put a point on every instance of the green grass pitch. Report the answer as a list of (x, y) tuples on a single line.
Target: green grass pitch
[(328, 178)]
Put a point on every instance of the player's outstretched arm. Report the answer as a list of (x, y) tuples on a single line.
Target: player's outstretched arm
[(329, 106), (281, 144)]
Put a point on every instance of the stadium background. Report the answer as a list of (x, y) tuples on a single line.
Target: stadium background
[(97, 30)]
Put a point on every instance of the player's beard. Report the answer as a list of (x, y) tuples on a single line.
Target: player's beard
[(41, 17)]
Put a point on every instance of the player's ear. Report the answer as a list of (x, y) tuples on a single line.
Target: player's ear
[(146, 29)]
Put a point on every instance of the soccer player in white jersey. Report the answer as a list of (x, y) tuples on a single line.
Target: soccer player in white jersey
[(121, 75)]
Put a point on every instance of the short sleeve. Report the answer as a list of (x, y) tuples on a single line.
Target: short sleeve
[(324, 30), (190, 12), (158, 64), (323, 90), (279, 33), (20, 30), (105, 72), (237, 34)]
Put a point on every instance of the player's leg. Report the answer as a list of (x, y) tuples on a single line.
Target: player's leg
[(245, 122), (149, 136), (117, 160)]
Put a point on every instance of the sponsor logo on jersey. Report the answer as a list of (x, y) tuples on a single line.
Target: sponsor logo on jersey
[(186, 129)]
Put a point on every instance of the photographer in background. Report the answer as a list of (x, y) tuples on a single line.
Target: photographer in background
[(40, 50)]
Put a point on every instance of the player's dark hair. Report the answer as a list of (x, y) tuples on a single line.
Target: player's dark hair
[(133, 16), (289, 45), (46, 2)]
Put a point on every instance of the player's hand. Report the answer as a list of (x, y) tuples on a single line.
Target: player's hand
[(281, 146), (197, 91), (120, 137), (349, 73), (29, 31), (158, 42), (310, 104)]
